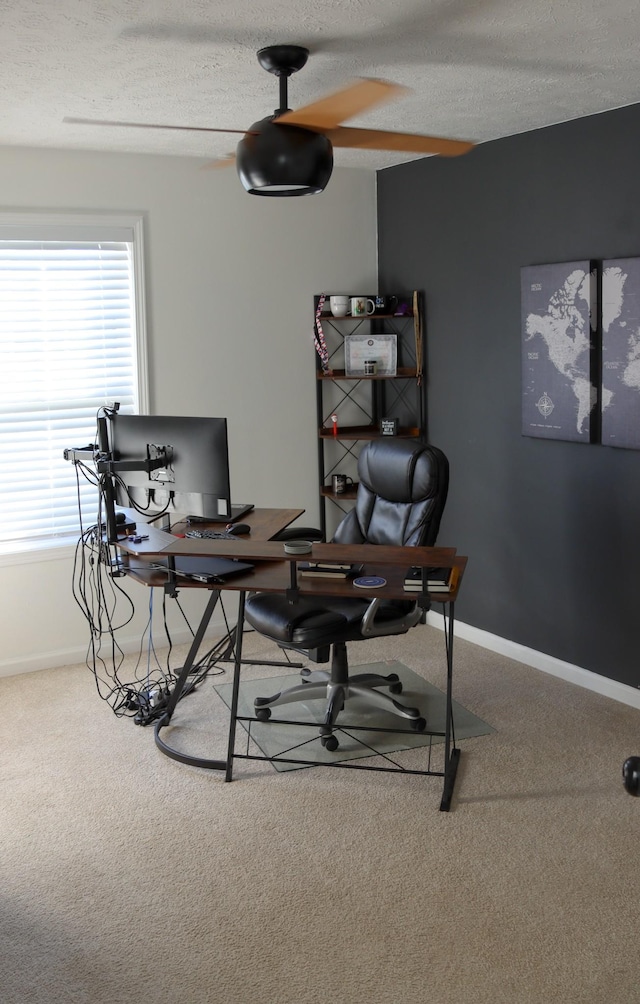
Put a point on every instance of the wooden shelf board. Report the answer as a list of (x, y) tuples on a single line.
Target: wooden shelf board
[(367, 432), (328, 316), (350, 493), (403, 373)]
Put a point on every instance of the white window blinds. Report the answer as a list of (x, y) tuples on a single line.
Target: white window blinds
[(69, 339)]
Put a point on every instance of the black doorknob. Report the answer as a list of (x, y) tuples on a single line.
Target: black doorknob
[(631, 775)]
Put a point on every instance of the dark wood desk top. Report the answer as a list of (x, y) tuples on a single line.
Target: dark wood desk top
[(272, 571), (264, 523), (247, 548), (274, 577)]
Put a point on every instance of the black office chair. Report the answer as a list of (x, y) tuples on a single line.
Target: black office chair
[(299, 533), (401, 496)]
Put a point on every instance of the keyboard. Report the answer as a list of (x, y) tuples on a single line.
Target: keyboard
[(212, 534)]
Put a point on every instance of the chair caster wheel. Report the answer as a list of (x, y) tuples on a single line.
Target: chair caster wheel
[(418, 724), (263, 714), (395, 688), (329, 742)]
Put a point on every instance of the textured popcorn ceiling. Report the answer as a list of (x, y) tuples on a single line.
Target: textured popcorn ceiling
[(477, 69)]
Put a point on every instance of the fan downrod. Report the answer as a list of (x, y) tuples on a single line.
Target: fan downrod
[(283, 60)]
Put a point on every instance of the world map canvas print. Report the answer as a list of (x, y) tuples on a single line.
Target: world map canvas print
[(559, 322), (621, 353)]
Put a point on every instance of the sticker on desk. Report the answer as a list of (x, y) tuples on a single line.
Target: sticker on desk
[(370, 582)]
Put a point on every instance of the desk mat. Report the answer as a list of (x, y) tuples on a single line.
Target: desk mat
[(303, 743)]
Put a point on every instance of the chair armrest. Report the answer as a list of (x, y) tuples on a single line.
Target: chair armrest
[(369, 628)]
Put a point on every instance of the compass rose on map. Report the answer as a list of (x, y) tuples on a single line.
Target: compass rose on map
[(545, 405)]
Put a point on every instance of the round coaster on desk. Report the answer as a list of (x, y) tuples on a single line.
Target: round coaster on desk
[(298, 547), (370, 582)]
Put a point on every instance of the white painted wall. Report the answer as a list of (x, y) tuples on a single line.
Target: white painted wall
[(230, 284)]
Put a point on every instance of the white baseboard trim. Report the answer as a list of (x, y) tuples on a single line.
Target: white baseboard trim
[(538, 660), (77, 654)]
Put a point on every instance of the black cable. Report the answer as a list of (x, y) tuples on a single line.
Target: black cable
[(145, 692), (97, 595)]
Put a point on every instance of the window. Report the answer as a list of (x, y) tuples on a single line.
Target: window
[(72, 339)]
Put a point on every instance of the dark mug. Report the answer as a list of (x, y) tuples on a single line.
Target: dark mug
[(339, 483), (385, 304)]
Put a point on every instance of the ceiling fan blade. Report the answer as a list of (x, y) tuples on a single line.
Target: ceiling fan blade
[(403, 142), (226, 161), (330, 111), (149, 125)]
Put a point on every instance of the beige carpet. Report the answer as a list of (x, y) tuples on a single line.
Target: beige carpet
[(128, 877)]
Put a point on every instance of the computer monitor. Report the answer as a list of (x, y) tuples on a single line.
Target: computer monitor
[(193, 480)]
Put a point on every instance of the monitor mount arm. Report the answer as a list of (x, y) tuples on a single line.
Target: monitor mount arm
[(102, 456), (107, 466), (104, 465)]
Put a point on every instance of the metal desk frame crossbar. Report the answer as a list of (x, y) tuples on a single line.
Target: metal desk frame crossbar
[(271, 574), (451, 751)]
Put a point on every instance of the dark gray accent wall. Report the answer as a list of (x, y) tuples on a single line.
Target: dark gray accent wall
[(552, 529)]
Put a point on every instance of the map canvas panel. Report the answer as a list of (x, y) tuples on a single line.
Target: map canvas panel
[(621, 353), (559, 320)]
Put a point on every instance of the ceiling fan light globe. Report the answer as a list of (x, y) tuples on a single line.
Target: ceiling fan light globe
[(279, 160)]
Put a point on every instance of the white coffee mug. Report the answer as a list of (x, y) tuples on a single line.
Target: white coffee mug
[(361, 306), (339, 305)]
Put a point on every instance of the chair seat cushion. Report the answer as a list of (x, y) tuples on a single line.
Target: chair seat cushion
[(315, 620)]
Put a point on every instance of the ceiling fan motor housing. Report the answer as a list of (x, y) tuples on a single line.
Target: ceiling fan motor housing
[(282, 160), (283, 59)]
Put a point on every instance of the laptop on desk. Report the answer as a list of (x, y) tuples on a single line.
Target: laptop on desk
[(209, 569), (237, 511), (241, 509)]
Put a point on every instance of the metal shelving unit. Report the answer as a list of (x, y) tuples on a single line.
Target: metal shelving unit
[(360, 402)]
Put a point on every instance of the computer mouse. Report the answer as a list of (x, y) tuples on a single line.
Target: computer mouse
[(237, 529)]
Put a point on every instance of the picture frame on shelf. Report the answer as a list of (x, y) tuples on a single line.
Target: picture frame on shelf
[(359, 349)]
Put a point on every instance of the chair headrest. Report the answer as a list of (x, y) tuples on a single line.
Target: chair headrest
[(399, 470)]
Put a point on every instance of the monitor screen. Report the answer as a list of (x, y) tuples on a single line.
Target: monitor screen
[(194, 481)]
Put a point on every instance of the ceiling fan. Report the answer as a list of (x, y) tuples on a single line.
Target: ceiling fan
[(291, 152)]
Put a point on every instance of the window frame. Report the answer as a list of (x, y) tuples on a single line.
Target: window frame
[(93, 226)]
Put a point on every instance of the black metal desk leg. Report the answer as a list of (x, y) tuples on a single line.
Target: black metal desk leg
[(191, 655), (236, 687), (177, 692), (451, 753)]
